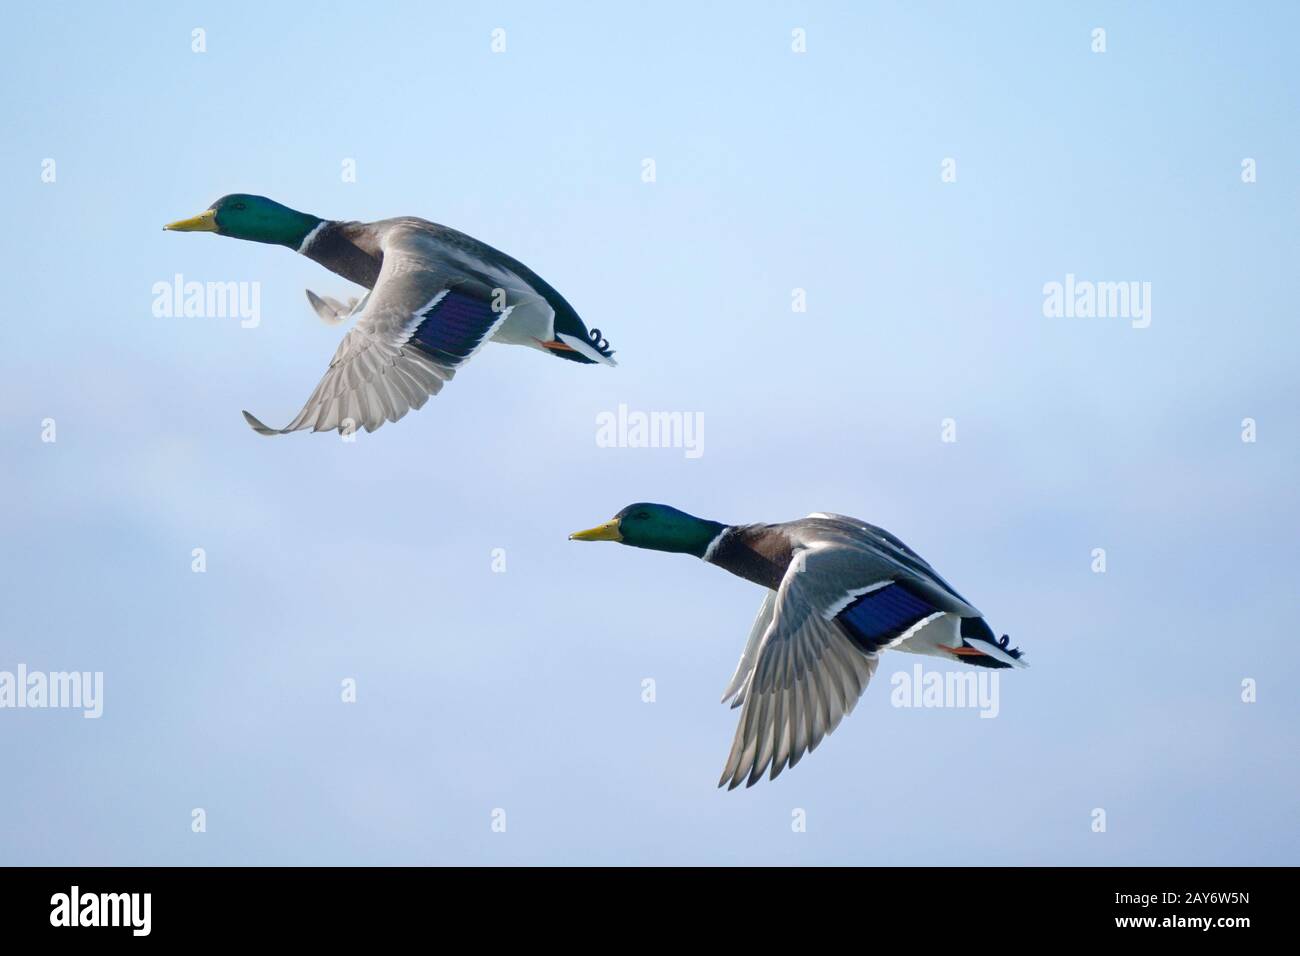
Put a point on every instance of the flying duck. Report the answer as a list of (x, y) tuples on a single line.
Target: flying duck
[(436, 296), (839, 591)]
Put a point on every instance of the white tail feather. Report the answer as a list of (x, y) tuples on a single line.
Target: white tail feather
[(996, 652)]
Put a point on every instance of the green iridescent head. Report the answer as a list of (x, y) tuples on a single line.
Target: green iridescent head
[(255, 218), (657, 527)]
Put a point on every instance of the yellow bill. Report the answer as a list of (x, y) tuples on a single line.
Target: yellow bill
[(602, 532), (205, 221)]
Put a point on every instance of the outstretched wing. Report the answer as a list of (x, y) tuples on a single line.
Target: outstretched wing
[(422, 321), (806, 672), (816, 641), (735, 692)]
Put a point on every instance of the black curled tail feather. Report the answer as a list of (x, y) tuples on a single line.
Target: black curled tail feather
[(977, 629), (598, 342), (593, 338)]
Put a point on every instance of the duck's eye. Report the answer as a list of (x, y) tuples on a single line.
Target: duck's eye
[(240, 206), (642, 515)]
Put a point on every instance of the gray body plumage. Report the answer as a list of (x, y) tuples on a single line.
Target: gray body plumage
[(378, 374), (801, 670)]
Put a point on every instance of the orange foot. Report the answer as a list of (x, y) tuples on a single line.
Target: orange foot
[(555, 345)]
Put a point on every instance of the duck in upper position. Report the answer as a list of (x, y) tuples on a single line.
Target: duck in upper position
[(436, 296), (839, 591)]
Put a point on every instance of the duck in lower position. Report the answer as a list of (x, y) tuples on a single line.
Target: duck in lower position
[(839, 591), (436, 297)]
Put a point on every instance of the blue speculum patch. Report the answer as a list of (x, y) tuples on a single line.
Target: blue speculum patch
[(454, 327), (879, 616)]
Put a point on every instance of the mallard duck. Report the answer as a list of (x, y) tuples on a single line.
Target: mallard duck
[(839, 591), (436, 297)]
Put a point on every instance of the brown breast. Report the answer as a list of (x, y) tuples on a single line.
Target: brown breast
[(758, 553), (348, 250)]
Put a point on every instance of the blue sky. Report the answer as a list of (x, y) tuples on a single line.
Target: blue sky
[(373, 560)]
